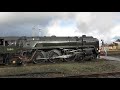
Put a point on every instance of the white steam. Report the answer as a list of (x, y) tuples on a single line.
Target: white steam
[(97, 24)]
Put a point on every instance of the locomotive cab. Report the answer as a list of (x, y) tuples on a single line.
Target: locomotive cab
[(3, 42), (7, 49)]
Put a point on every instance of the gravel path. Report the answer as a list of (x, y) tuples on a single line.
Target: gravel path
[(110, 58)]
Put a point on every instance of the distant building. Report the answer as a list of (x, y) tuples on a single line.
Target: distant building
[(117, 44), (112, 46)]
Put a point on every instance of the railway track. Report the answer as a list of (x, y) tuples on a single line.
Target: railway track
[(61, 75), (97, 75)]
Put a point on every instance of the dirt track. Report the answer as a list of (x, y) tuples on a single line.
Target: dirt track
[(66, 70)]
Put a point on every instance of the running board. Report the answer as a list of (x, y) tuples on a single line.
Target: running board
[(58, 57)]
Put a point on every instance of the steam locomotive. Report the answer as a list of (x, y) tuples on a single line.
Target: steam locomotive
[(20, 50)]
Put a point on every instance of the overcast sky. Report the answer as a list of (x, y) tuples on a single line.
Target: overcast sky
[(101, 25)]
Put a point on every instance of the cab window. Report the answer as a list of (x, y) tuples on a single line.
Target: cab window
[(1, 41)]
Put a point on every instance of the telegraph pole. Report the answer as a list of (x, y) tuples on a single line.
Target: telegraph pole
[(33, 32), (39, 30), (103, 46), (40, 34)]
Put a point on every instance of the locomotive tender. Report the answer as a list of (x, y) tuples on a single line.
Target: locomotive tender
[(42, 49)]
